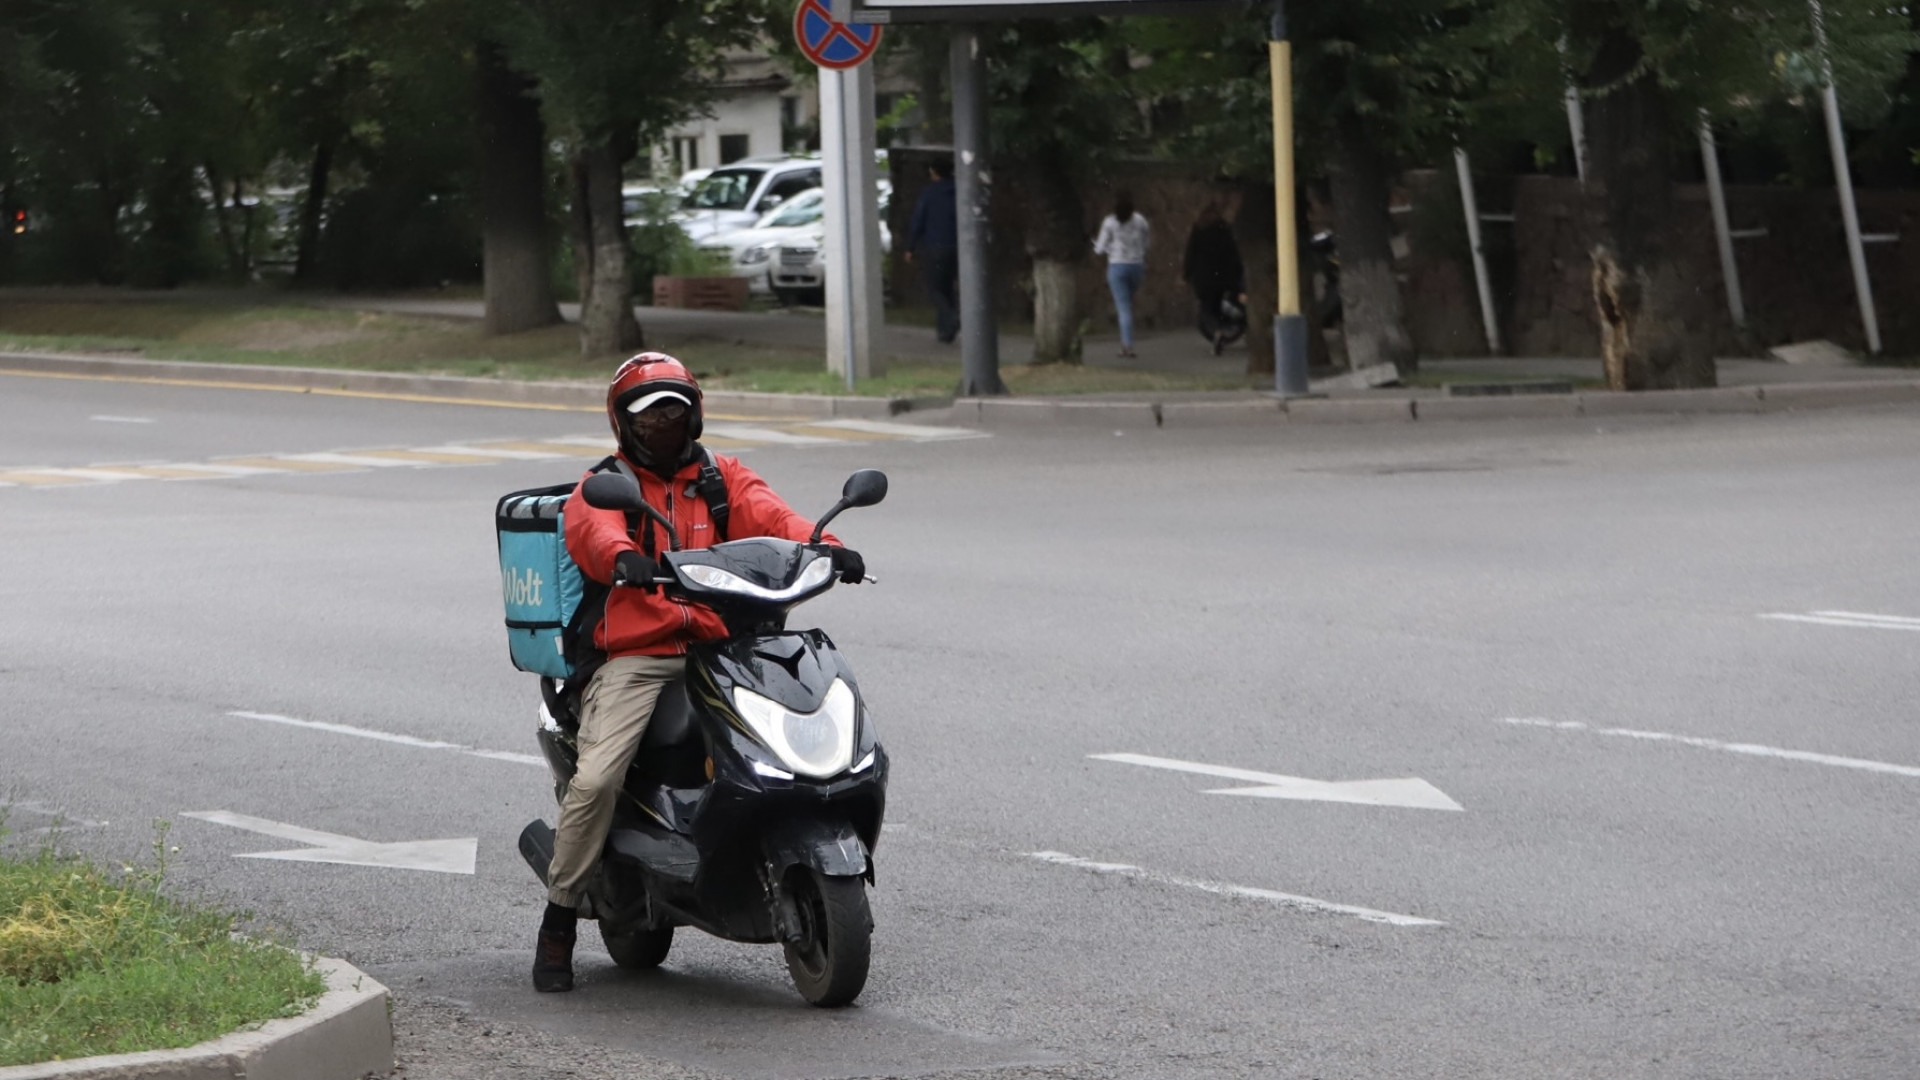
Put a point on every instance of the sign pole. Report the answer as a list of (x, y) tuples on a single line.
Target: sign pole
[(979, 334), (852, 233), (1843, 180), (1289, 325), (853, 229)]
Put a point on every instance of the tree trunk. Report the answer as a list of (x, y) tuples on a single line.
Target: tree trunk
[(1639, 290), (516, 269), (1253, 232), (308, 245), (1056, 321), (1057, 243), (607, 324), (579, 225), (1375, 322)]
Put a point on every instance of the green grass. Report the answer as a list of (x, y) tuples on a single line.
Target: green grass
[(93, 962), (274, 331)]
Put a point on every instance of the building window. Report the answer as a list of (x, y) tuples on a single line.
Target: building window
[(686, 152), (732, 148)]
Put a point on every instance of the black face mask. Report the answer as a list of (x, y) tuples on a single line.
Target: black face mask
[(661, 446)]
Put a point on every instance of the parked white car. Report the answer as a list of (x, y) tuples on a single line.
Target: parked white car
[(750, 251), (798, 270), (736, 196)]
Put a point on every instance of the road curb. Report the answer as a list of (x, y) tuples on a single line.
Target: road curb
[(347, 1034), (584, 396), (990, 412)]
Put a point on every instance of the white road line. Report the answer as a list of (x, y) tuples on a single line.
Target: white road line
[(1753, 749), (1218, 888), (122, 419), (1849, 618), (94, 474), (749, 433), (904, 431), (388, 736), (493, 452), (354, 460)]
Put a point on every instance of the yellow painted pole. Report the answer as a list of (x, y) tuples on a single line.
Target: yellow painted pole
[(1289, 327), (1286, 235)]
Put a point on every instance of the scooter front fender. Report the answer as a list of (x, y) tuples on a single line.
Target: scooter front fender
[(828, 846)]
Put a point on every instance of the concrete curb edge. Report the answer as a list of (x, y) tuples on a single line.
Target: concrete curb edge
[(584, 396), (1006, 411), (347, 1034)]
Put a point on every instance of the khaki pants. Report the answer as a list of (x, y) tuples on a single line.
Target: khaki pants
[(614, 710)]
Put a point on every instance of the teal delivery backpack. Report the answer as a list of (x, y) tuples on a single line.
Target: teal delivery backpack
[(544, 590), (553, 608)]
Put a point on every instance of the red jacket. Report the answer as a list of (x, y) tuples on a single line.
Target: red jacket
[(643, 623)]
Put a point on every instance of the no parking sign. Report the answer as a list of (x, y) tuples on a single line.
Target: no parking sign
[(833, 45)]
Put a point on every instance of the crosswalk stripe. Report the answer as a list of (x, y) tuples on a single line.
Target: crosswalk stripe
[(725, 435), (896, 430), (40, 478), (273, 464), (764, 435), (429, 457)]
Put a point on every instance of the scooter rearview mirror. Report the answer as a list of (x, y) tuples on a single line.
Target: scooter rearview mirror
[(865, 488), (611, 491)]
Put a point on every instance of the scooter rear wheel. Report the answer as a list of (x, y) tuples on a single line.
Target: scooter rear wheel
[(637, 949), (829, 963)]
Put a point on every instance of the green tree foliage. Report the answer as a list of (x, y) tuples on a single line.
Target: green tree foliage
[(614, 76)]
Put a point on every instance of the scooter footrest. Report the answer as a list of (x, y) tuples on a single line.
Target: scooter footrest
[(664, 854)]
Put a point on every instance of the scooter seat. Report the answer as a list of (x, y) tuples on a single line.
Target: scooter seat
[(672, 722)]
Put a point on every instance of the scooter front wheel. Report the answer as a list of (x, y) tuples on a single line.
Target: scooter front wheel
[(639, 948), (829, 962)]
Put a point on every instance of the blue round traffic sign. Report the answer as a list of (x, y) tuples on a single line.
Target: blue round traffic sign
[(831, 44)]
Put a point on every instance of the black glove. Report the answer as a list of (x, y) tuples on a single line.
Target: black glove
[(633, 568), (848, 564)]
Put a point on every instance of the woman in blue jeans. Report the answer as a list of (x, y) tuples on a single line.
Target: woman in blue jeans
[(1123, 240)]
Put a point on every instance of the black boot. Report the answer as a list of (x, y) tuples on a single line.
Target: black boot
[(553, 952)]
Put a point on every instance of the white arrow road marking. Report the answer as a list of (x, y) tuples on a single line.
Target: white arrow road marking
[(1219, 888), (1411, 792), (388, 736), (1855, 619), (437, 856), (1754, 749)]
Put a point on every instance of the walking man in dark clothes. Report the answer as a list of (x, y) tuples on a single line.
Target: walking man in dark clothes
[(933, 241), (1213, 271)]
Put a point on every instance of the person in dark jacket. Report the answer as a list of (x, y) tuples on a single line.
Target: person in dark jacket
[(1212, 269), (933, 241)]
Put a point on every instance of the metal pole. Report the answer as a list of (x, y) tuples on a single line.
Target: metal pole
[(1472, 208), (973, 179), (1843, 180), (1722, 230), (852, 225), (1577, 124), (1576, 120), (1289, 325)]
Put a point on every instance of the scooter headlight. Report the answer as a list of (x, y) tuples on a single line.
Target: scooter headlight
[(817, 744)]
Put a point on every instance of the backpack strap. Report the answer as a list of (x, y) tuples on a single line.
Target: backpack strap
[(713, 488)]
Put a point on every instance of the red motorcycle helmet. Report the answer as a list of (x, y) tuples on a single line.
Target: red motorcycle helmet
[(645, 379)]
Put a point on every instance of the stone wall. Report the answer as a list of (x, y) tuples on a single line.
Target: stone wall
[(1167, 194), (1795, 279)]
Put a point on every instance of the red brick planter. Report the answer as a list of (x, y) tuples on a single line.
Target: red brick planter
[(717, 293)]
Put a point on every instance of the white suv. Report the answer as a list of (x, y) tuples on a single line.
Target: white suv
[(737, 195)]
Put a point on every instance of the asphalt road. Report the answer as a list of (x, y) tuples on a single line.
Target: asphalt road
[(1685, 843)]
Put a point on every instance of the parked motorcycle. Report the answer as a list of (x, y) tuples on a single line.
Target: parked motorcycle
[(754, 803)]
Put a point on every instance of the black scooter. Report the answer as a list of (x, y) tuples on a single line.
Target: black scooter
[(753, 806)]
